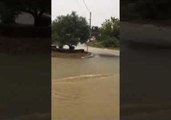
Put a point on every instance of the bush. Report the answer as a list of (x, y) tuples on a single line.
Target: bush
[(109, 42), (110, 33)]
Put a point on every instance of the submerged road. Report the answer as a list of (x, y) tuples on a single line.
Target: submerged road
[(86, 89)]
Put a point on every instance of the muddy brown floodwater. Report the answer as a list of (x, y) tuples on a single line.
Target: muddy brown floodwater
[(85, 89)]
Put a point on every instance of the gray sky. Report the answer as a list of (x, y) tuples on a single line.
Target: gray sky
[(101, 9)]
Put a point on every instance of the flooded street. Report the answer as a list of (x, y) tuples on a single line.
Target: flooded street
[(85, 89)]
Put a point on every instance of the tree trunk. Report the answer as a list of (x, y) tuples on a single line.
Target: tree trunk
[(37, 15), (37, 20), (71, 47), (61, 47)]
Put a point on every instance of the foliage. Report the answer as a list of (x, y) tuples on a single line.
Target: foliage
[(146, 9), (95, 31), (33, 7), (70, 30), (36, 8), (7, 13), (110, 33), (110, 42), (111, 27)]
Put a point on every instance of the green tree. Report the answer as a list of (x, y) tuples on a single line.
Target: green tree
[(153, 9), (95, 32), (145, 9), (110, 33), (7, 13), (34, 7), (70, 30), (111, 27)]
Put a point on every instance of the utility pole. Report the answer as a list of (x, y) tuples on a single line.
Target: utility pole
[(90, 23), (90, 20), (89, 31)]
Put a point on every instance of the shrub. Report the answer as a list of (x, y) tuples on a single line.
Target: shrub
[(110, 42)]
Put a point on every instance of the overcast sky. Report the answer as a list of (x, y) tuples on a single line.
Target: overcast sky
[(101, 9)]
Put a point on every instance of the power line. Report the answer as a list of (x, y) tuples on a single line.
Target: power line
[(89, 23), (80, 6), (86, 5)]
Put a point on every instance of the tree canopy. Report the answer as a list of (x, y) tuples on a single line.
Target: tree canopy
[(70, 30), (34, 7), (110, 33), (111, 27), (146, 9), (7, 13)]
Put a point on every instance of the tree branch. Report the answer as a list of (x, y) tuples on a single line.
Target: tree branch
[(41, 13), (28, 11)]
